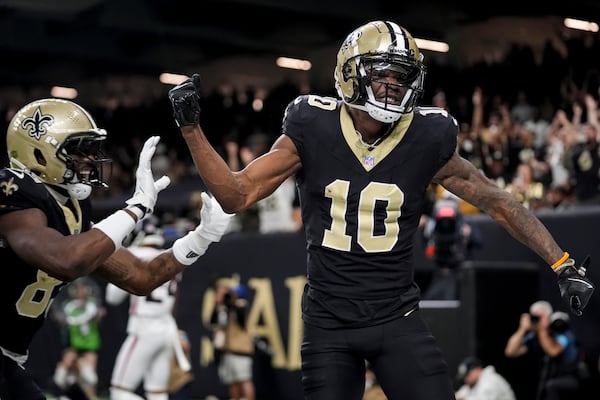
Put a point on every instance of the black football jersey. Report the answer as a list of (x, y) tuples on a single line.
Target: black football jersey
[(26, 291), (361, 206)]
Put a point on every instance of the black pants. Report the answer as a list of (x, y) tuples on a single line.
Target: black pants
[(403, 353), (16, 383)]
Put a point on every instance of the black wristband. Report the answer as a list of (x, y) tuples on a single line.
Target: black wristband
[(139, 210)]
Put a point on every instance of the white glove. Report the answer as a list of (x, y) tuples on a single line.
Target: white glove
[(213, 225), (146, 189), (213, 220)]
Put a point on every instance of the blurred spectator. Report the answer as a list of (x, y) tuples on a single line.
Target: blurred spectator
[(235, 346), (278, 212), (468, 145), (539, 126), (494, 138), (439, 99), (373, 390), (67, 377), (81, 315), (584, 161), (522, 110), (526, 189), (558, 198), (479, 382), (152, 335)]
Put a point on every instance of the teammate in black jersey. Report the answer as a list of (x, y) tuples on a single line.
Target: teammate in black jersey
[(46, 236), (362, 164)]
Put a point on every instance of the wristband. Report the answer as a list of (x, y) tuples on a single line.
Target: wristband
[(560, 261), (187, 249), (139, 210), (116, 226), (569, 263)]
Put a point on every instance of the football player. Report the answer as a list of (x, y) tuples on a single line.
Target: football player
[(362, 163), (46, 235), (152, 334)]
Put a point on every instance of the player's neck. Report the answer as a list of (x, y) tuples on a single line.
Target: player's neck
[(368, 129)]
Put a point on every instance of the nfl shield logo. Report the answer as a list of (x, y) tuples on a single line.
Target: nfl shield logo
[(369, 161)]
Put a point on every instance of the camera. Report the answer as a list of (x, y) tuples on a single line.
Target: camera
[(447, 236), (535, 319), (228, 299)]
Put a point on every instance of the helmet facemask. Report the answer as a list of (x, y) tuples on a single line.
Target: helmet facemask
[(86, 164), (402, 85), (85, 158)]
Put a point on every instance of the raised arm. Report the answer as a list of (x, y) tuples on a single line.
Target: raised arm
[(235, 190)]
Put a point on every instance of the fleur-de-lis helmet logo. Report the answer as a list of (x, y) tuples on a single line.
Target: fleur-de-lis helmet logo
[(37, 124)]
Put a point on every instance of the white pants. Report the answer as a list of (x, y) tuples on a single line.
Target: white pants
[(147, 358)]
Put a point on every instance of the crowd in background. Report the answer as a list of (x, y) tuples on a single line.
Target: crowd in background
[(532, 127)]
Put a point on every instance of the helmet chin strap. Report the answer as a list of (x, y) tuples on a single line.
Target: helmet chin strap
[(385, 116), (78, 191)]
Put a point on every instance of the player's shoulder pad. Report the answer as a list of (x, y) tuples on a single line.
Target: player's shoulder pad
[(15, 184), (436, 114), (307, 107), (13, 180)]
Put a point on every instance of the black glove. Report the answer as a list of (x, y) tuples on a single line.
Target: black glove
[(185, 99), (575, 288)]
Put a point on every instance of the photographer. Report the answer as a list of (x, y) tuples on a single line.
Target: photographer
[(548, 335), (233, 342)]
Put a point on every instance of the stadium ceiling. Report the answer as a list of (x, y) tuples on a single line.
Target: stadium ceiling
[(69, 41)]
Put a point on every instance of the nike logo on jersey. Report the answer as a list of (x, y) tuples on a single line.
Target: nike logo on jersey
[(20, 174), (191, 254)]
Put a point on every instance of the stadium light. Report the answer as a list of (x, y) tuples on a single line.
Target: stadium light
[(581, 25)]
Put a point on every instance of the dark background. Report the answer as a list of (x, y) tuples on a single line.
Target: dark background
[(117, 48)]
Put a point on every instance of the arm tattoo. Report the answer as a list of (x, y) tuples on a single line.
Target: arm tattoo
[(134, 275), (114, 271), (464, 180)]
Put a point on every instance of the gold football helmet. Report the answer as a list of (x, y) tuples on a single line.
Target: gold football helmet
[(59, 142), (373, 53)]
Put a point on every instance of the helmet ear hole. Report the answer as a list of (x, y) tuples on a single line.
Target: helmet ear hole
[(356, 91), (40, 157), (359, 89)]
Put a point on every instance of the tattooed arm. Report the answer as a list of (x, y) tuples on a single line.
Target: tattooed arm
[(137, 276), (460, 177)]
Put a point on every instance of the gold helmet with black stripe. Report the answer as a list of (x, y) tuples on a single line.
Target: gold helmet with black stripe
[(370, 54), (59, 143)]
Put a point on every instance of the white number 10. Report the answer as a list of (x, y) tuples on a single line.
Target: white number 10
[(336, 237)]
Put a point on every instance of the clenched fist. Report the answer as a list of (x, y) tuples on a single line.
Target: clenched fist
[(185, 100)]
